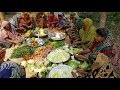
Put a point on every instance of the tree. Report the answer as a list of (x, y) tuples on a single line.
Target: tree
[(2, 16), (103, 19)]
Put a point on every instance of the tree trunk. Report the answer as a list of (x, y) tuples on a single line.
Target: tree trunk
[(2, 16), (103, 19)]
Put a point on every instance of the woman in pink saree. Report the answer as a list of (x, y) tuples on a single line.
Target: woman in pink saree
[(8, 33)]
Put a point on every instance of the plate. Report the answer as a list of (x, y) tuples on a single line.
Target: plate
[(61, 71), (57, 35), (58, 56), (40, 33)]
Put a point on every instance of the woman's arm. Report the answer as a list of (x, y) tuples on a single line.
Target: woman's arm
[(77, 43), (84, 51), (85, 42), (81, 57), (79, 54), (9, 40), (54, 22), (12, 41)]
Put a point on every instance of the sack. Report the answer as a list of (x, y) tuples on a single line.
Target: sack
[(102, 63)]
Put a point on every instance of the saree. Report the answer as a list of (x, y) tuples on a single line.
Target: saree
[(11, 34), (88, 35), (76, 24), (9, 69)]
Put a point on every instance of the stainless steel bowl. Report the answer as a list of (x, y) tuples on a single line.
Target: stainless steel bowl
[(57, 36), (40, 33)]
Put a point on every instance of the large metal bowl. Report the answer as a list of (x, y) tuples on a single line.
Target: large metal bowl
[(61, 71), (57, 35), (40, 33), (58, 56)]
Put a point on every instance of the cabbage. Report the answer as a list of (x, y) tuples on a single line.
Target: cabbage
[(49, 68), (57, 44), (47, 63), (31, 61), (74, 50), (64, 74), (53, 65), (58, 56), (74, 64), (85, 66), (61, 71), (44, 72), (24, 63), (31, 67)]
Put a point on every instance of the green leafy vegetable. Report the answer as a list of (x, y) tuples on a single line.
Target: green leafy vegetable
[(22, 51), (44, 73), (47, 63), (74, 50), (58, 44), (85, 66), (74, 64)]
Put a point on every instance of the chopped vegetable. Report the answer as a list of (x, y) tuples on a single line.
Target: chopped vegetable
[(85, 66), (58, 56), (61, 71), (45, 73), (47, 63), (22, 51), (74, 50), (24, 63), (31, 61), (74, 64), (57, 44), (40, 53)]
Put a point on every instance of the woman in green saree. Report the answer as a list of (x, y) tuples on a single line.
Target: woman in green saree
[(87, 34)]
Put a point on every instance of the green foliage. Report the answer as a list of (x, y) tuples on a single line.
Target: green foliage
[(57, 44), (22, 51), (112, 22)]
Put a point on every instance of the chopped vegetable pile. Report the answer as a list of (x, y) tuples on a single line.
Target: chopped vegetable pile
[(73, 63), (58, 44), (58, 56), (22, 51)]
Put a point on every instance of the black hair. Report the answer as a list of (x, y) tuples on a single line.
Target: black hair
[(102, 32), (60, 16), (51, 12)]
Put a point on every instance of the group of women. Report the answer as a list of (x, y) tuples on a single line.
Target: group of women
[(81, 32), (11, 32), (94, 41)]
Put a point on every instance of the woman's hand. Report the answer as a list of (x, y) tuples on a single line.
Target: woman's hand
[(87, 50), (76, 55), (75, 44), (81, 57), (80, 52)]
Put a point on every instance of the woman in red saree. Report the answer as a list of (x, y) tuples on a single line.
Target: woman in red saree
[(26, 22), (52, 20), (41, 20)]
